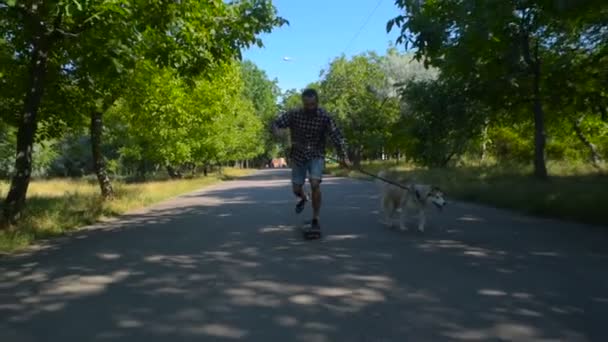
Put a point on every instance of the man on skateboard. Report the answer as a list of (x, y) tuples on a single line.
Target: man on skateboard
[(309, 126)]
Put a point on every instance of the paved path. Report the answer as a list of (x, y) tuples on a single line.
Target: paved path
[(226, 264)]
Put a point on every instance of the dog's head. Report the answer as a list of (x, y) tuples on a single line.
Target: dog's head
[(436, 196)]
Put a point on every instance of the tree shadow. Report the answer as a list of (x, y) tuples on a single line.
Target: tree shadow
[(229, 264)]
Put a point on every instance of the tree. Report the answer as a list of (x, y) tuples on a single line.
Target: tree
[(499, 49), (577, 65), (349, 90), (401, 70), (7, 146), (189, 36), (37, 31), (234, 131), (290, 99), (181, 40), (440, 121), (263, 93), (208, 121)]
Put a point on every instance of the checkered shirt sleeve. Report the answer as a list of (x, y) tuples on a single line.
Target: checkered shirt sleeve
[(308, 134)]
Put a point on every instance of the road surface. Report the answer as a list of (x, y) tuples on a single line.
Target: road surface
[(226, 264)]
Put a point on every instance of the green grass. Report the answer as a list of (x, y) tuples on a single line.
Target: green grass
[(574, 192), (55, 207)]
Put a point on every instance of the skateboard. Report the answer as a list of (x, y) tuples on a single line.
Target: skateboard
[(308, 233)]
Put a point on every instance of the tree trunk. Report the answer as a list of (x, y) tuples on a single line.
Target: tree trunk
[(141, 170), (596, 158), (444, 163), (174, 174), (15, 200), (107, 192), (484, 148), (534, 66), (356, 157), (484, 141), (540, 165), (540, 139)]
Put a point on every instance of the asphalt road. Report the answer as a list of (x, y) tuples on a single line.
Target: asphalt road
[(227, 264)]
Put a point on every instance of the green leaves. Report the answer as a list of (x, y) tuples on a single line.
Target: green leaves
[(262, 93), (163, 70), (365, 115), (441, 122), (397, 21), (78, 5), (493, 51), (177, 124)]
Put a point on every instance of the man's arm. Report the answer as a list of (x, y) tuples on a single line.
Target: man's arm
[(283, 121), (337, 139)]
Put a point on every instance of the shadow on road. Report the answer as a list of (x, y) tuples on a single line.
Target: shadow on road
[(227, 264)]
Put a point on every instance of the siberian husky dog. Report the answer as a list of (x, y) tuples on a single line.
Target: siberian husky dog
[(412, 196)]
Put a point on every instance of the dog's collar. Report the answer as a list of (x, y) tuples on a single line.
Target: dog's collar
[(420, 197)]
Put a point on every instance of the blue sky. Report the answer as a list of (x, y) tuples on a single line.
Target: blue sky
[(318, 32)]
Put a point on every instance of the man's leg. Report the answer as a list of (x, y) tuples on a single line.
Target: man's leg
[(298, 177), (298, 190), (315, 185), (316, 176)]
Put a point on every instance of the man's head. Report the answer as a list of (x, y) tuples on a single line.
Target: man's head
[(310, 100)]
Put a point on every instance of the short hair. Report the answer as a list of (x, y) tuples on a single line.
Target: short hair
[(310, 93)]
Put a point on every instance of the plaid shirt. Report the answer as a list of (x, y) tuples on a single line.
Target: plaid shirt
[(308, 134)]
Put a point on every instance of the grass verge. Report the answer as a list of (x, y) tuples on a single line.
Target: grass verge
[(55, 207), (573, 192)]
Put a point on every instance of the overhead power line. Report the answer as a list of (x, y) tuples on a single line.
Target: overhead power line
[(369, 17)]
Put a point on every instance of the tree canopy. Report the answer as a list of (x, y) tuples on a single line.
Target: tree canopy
[(514, 56), (125, 88), (66, 63)]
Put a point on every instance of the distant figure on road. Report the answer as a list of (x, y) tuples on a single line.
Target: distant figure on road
[(309, 126), (278, 163)]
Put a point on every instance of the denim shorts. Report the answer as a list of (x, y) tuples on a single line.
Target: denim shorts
[(313, 167)]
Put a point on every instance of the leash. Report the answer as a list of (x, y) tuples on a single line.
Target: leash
[(375, 176)]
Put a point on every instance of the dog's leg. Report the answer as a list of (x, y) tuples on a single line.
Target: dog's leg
[(421, 220), (403, 217), (382, 210), (385, 210), (390, 213)]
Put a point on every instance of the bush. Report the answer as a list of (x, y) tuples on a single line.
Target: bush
[(508, 145)]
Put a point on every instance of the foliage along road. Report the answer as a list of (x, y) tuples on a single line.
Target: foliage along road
[(226, 263)]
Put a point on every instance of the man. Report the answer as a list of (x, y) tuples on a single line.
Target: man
[(309, 127)]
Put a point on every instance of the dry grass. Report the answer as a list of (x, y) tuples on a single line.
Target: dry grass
[(575, 192), (57, 206)]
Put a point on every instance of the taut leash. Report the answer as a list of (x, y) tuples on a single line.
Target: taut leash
[(375, 176)]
